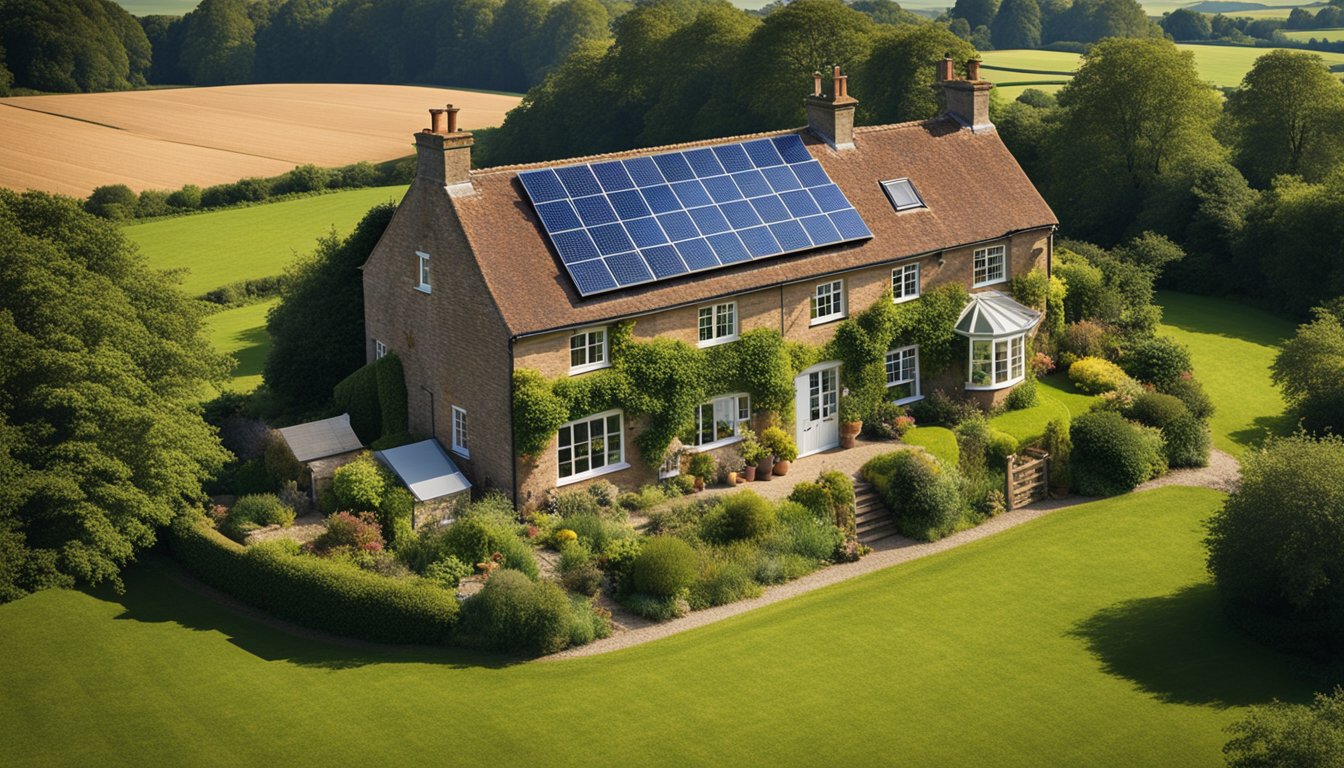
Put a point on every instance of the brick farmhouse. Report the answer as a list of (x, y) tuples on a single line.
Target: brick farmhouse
[(466, 288)]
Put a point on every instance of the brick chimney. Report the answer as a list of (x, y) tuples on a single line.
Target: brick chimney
[(966, 99), (443, 153), (831, 117)]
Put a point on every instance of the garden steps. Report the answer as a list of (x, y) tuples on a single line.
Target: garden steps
[(872, 519)]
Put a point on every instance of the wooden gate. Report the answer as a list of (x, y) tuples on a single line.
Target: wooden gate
[(1028, 478)]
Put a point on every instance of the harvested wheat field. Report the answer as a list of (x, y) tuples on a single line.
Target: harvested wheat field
[(162, 139)]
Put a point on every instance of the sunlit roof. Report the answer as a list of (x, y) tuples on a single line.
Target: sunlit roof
[(991, 313)]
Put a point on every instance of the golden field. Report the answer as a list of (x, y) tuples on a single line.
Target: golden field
[(162, 139)]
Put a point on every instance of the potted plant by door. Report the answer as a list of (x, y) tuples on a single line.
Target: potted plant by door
[(781, 446), (851, 421), (702, 468), (750, 450)]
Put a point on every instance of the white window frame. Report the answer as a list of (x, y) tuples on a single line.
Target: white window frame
[(896, 356), (461, 433), (983, 265), (1005, 369), (898, 278), (604, 349), (834, 295), (606, 468), (716, 311), (423, 276), (379, 350), (741, 405)]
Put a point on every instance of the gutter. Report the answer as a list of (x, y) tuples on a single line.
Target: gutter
[(782, 284)]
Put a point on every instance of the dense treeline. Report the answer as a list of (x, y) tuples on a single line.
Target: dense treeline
[(1185, 25), (687, 69), (72, 45), (987, 24)]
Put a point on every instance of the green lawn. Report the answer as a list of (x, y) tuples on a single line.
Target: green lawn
[(225, 246), (241, 332), (1222, 65), (1232, 346), (1087, 638), (1056, 398), (936, 440)]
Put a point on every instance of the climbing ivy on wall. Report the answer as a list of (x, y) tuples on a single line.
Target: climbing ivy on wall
[(665, 379)]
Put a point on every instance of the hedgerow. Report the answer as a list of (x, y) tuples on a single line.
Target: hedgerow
[(322, 594), (375, 398)]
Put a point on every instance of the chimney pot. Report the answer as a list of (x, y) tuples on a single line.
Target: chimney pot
[(438, 121), (831, 118), (443, 153), (816, 83), (452, 118), (946, 69), (973, 70)]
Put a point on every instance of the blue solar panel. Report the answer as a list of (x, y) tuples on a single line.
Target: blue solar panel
[(621, 223), (592, 277), (664, 261), (629, 268)]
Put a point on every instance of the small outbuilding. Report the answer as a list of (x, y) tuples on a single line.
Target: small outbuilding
[(430, 475), (322, 447)]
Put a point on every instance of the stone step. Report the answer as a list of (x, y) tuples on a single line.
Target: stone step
[(879, 533), (864, 526)]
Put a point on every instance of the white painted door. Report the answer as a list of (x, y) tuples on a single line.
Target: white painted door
[(816, 390)]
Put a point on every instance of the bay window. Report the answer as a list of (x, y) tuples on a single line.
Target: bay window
[(998, 328), (997, 363)]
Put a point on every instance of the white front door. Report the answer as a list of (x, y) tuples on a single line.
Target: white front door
[(816, 390)]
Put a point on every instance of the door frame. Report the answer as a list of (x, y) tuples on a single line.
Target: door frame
[(801, 393)]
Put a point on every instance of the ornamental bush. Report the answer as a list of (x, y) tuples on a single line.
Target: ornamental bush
[(1276, 548), (800, 531), (1001, 446), (1158, 360), (254, 511), (923, 496), (359, 485), (1156, 410), (1094, 375), (664, 567), (1023, 396), (360, 533), (448, 572), (1188, 442), (721, 581), (317, 593), (830, 499), (516, 614), (1283, 734), (1110, 455), (739, 516), (1192, 393)]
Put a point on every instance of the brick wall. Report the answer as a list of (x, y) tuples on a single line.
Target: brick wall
[(452, 342)]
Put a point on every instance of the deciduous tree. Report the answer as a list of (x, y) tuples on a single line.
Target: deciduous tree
[(1017, 25), (1287, 117)]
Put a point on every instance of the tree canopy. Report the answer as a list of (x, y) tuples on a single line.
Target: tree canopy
[(101, 436), (1287, 117), (1017, 25), (1282, 734), (317, 329), (72, 45)]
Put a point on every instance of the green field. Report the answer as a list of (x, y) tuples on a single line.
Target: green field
[(1087, 638), (1231, 346), (241, 332), (1334, 34), (1223, 65), (221, 247)]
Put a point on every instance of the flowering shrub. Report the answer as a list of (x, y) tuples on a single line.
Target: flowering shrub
[(1094, 375), (358, 532), (564, 536), (1041, 364)]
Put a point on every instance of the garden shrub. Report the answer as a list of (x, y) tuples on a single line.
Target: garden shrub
[(887, 421), (597, 533), (1156, 410), (703, 467), (1155, 450), (359, 485), (1001, 446), (721, 581), (1157, 360), (1023, 396), (320, 594), (1057, 442), (1286, 734), (578, 572), (781, 567), (830, 499), (1187, 442), (516, 614), (588, 621), (1083, 338), (256, 510), (779, 443), (941, 410), (656, 608), (646, 497), (360, 533), (664, 567), (395, 510), (738, 516), (1093, 375), (1109, 454), (973, 436), (923, 496), (801, 531), (573, 502), (1276, 548), (1192, 393), (448, 572), (1087, 295), (481, 529)]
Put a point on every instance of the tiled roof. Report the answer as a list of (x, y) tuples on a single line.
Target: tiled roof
[(972, 185)]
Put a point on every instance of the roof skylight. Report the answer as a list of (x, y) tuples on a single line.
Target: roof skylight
[(902, 194)]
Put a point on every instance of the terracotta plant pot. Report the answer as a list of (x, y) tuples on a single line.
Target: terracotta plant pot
[(849, 431), (782, 467), (765, 467), (732, 478), (749, 472)]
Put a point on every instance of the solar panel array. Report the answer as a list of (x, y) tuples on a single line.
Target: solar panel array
[(625, 222)]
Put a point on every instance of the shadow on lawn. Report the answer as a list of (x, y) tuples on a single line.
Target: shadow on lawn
[(250, 356), (159, 591), (1215, 317), (1181, 649), (1262, 428)]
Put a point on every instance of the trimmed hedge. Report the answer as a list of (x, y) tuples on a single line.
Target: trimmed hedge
[(1110, 455), (1157, 410), (1158, 360), (322, 594), (375, 398), (664, 567), (513, 613)]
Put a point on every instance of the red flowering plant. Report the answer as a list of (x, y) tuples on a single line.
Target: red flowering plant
[(356, 533)]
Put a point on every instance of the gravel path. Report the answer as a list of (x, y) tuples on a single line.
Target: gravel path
[(1221, 474)]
